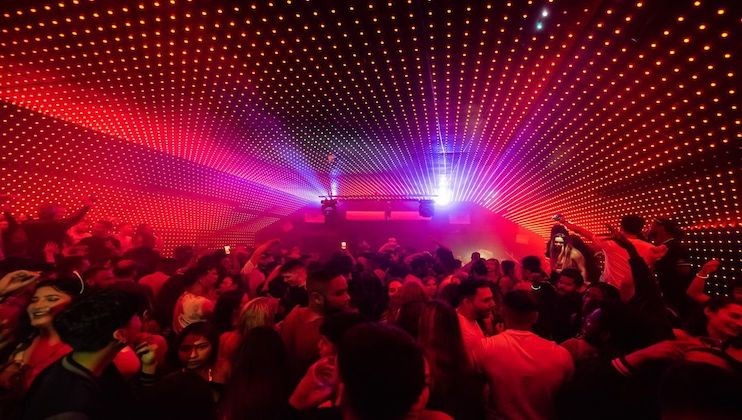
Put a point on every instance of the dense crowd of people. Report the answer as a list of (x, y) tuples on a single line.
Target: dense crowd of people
[(95, 323)]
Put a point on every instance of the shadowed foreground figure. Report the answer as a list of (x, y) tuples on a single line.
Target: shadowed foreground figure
[(382, 375)]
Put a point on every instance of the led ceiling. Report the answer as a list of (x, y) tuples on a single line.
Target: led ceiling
[(203, 116)]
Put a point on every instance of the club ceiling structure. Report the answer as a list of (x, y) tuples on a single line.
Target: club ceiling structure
[(213, 119)]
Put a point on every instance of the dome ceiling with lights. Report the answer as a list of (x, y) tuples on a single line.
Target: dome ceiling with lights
[(224, 116)]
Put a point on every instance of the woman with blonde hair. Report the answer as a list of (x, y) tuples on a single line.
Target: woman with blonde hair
[(259, 312)]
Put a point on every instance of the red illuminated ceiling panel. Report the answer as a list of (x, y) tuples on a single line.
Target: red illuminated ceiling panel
[(593, 109)]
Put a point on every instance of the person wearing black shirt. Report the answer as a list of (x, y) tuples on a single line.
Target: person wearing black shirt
[(673, 270), (144, 253), (85, 385), (545, 293), (290, 287), (568, 304), (51, 226), (101, 245)]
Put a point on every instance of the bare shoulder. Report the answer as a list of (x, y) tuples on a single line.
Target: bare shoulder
[(434, 415)]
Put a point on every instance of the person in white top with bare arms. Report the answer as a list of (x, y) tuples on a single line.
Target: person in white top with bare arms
[(524, 371)]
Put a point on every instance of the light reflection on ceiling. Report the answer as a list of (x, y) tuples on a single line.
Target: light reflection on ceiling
[(179, 112)]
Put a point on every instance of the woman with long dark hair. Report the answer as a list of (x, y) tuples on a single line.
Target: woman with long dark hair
[(42, 346), (259, 386), (195, 349), (454, 388)]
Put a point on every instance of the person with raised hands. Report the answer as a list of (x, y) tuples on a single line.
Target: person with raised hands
[(621, 380), (696, 289), (319, 385), (51, 226), (617, 270), (16, 280), (252, 277)]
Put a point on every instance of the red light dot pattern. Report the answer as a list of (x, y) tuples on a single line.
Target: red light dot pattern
[(213, 119)]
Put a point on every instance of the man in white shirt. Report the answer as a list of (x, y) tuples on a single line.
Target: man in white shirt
[(617, 271), (524, 371), (476, 302)]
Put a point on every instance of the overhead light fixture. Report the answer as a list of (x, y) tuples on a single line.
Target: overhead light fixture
[(444, 191), (329, 207), (427, 208)]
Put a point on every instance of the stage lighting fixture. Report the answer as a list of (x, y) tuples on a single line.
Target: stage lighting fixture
[(427, 208), (329, 207)]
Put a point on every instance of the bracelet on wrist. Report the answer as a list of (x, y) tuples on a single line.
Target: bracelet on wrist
[(627, 364)]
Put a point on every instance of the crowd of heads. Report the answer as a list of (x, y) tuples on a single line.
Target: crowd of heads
[(271, 332)]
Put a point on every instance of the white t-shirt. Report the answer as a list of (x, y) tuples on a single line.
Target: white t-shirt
[(617, 270), (471, 333), (649, 253), (524, 372)]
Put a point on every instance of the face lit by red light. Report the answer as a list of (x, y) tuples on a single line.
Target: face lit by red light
[(45, 303), (336, 296), (726, 322), (481, 304), (566, 285), (194, 351), (394, 287)]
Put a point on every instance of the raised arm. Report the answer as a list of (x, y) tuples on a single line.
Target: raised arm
[(696, 288), (645, 288), (579, 230), (255, 257), (261, 249), (77, 216)]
